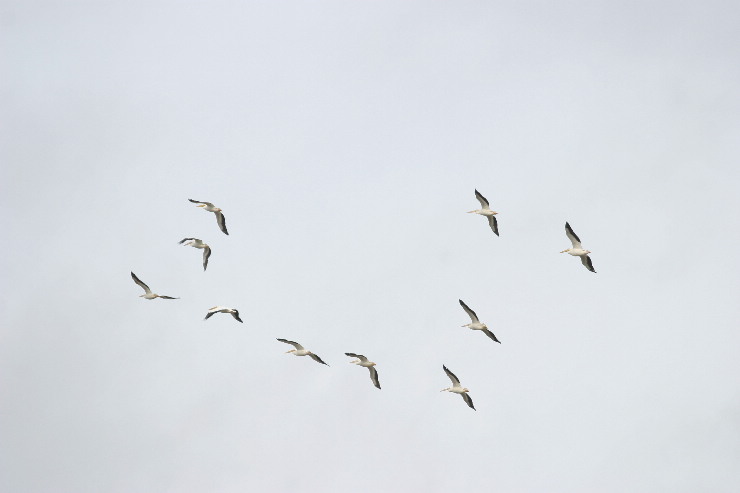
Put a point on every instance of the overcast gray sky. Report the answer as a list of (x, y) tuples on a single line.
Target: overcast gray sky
[(343, 141)]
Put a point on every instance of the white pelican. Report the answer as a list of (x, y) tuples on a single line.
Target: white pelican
[(475, 323), (363, 361), (301, 351), (223, 309), (577, 250), (148, 292), (457, 388), (196, 243), (485, 210), (220, 219)]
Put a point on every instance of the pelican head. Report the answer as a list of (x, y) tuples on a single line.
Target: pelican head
[(588, 251)]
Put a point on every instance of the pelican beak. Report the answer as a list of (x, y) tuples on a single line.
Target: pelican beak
[(200, 205), (470, 212), (564, 251)]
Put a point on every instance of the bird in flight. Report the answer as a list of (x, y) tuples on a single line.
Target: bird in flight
[(148, 295), (301, 351), (222, 309), (363, 361), (577, 250), (220, 219), (486, 211), (196, 243), (457, 388), (476, 324)]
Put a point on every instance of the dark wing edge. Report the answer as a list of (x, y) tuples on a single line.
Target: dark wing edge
[(140, 282), (467, 308), (450, 374), (490, 334), (586, 260), (221, 220), (236, 316), (569, 230), (206, 254), (374, 376), (468, 401), (494, 224), (481, 198), (317, 359)]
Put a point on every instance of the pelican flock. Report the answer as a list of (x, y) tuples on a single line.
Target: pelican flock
[(220, 219), (577, 250), (196, 243), (457, 388), (301, 351), (148, 295), (486, 211), (476, 324), (363, 361), (222, 309)]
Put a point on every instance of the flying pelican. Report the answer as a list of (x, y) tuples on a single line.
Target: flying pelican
[(363, 361), (148, 292), (196, 243), (457, 388), (223, 309), (577, 250), (301, 351), (220, 219), (476, 324), (485, 210)]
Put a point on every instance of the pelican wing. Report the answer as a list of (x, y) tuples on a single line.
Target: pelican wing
[(294, 344), (358, 356), (169, 298), (586, 261), (470, 312), (199, 202), (483, 202), (210, 314), (206, 254), (221, 220), (374, 376), (490, 334), (235, 314), (186, 239), (574, 239), (455, 380), (468, 400), (141, 283), (317, 359), (493, 224)]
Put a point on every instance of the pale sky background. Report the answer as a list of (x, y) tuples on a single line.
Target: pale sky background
[(343, 141)]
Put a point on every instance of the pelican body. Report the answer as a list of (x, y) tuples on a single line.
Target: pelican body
[(578, 250), (222, 309), (476, 324), (486, 211), (196, 243), (363, 361), (220, 219), (148, 294), (457, 388), (301, 351)]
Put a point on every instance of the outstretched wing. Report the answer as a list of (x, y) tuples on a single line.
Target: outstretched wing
[(574, 239), (317, 359), (141, 283), (490, 334), (455, 381), (206, 254), (470, 312), (199, 202), (221, 220), (292, 343), (374, 376), (468, 400), (168, 298), (483, 202), (586, 261), (493, 224), (358, 356), (186, 239), (235, 314)]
